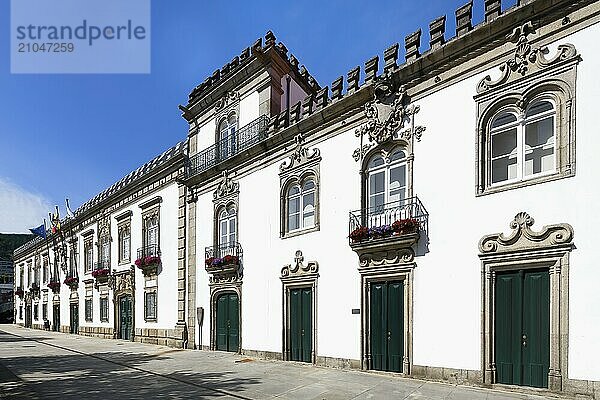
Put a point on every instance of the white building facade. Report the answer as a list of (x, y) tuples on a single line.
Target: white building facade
[(356, 225)]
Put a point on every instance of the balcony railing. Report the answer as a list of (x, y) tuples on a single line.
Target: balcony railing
[(102, 264), (249, 135), (150, 250), (392, 219), (225, 249)]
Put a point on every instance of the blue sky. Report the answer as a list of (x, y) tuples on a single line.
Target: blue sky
[(74, 135)]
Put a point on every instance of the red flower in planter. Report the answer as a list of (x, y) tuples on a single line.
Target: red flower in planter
[(100, 273), (229, 259), (209, 261), (53, 285), (19, 292), (359, 234), (70, 281), (408, 225)]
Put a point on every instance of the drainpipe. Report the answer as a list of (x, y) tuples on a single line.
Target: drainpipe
[(288, 80)]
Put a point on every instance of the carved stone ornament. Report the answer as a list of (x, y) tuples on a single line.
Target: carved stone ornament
[(359, 153), (523, 237), (298, 268), (386, 258), (300, 156), (386, 114), (122, 281), (526, 59), (226, 187), (228, 99)]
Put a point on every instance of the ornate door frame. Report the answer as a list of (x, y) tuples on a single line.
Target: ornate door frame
[(297, 276), (123, 284), (528, 249), (216, 290)]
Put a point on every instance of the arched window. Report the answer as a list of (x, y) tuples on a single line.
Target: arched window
[(386, 180), (227, 136), (227, 229), (301, 205), (151, 230), (522, 145)]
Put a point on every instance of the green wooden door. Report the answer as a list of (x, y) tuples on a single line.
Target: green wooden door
[(56, 317), (301, 324), (386, 316), (522, 342), (28, 316), (74, 318), (125, 317), (228, 325)]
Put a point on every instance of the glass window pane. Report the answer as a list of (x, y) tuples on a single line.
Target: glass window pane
[(540, 132), (294, 190), (294, 205), (308, 185), (504, 143), (503, 119), (398, 155), (503, 169), (539, 146), (539, 107), (293, 221), (376, 183), (376, 161)]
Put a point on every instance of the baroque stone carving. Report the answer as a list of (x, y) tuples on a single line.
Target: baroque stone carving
[(298, 268), (300, 156), (526, 58), (360, 152), (123, 281), (386, 258), (228, 99), (523, 237), (226, 187)]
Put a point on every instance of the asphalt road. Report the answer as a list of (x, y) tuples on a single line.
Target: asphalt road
[(48, 365)]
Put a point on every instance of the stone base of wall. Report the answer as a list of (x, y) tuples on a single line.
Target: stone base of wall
[(450, 375), (97, 331), (263, 355), (65, 329), (164, 337), (331, 362)]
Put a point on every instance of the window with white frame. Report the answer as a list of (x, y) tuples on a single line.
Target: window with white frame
[(45, 272), (104, 309), (150, 305), (301, 205), (88, 309), (88, 250), (386, 180), (522, 145), (227, 135), (124, 243), (227, 227), (151, 238)]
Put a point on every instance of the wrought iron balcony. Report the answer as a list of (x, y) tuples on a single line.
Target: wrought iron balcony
[(246, 137), (150, 250), (401, 221), (102, 264), (224, 259)]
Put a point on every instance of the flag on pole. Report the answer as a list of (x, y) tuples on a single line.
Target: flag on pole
[(55, 221), (70, 213), (39, 231)]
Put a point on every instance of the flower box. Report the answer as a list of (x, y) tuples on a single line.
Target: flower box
[(148, 264), (71, 282), (399, 227), (54, 286), (19, 292), (101, 274), (225, 264)]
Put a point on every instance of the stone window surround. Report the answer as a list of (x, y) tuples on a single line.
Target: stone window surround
[(123, 223), (226, 106), (300, 277), (89, 300), (226, 195), (303, 163), (299, 179), (400, 272), (150, 209), (104, 297), (148, 290), (88, 242), (528, 249), (557, 82)]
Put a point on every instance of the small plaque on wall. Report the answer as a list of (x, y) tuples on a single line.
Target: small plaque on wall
[(356, 311)]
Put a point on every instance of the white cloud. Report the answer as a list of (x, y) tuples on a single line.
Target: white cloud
[(20, 209)]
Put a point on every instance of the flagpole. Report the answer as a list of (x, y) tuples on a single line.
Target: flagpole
[(71, 219), (47, 247)]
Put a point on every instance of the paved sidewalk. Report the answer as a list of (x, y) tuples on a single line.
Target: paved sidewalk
[(45, 365)]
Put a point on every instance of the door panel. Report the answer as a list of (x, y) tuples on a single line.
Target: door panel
[(295, 325), (522, 341), (306, 330), (56, 318), (386, 316), (536, 328), (125, 317), (234, 322), (227, 321)]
